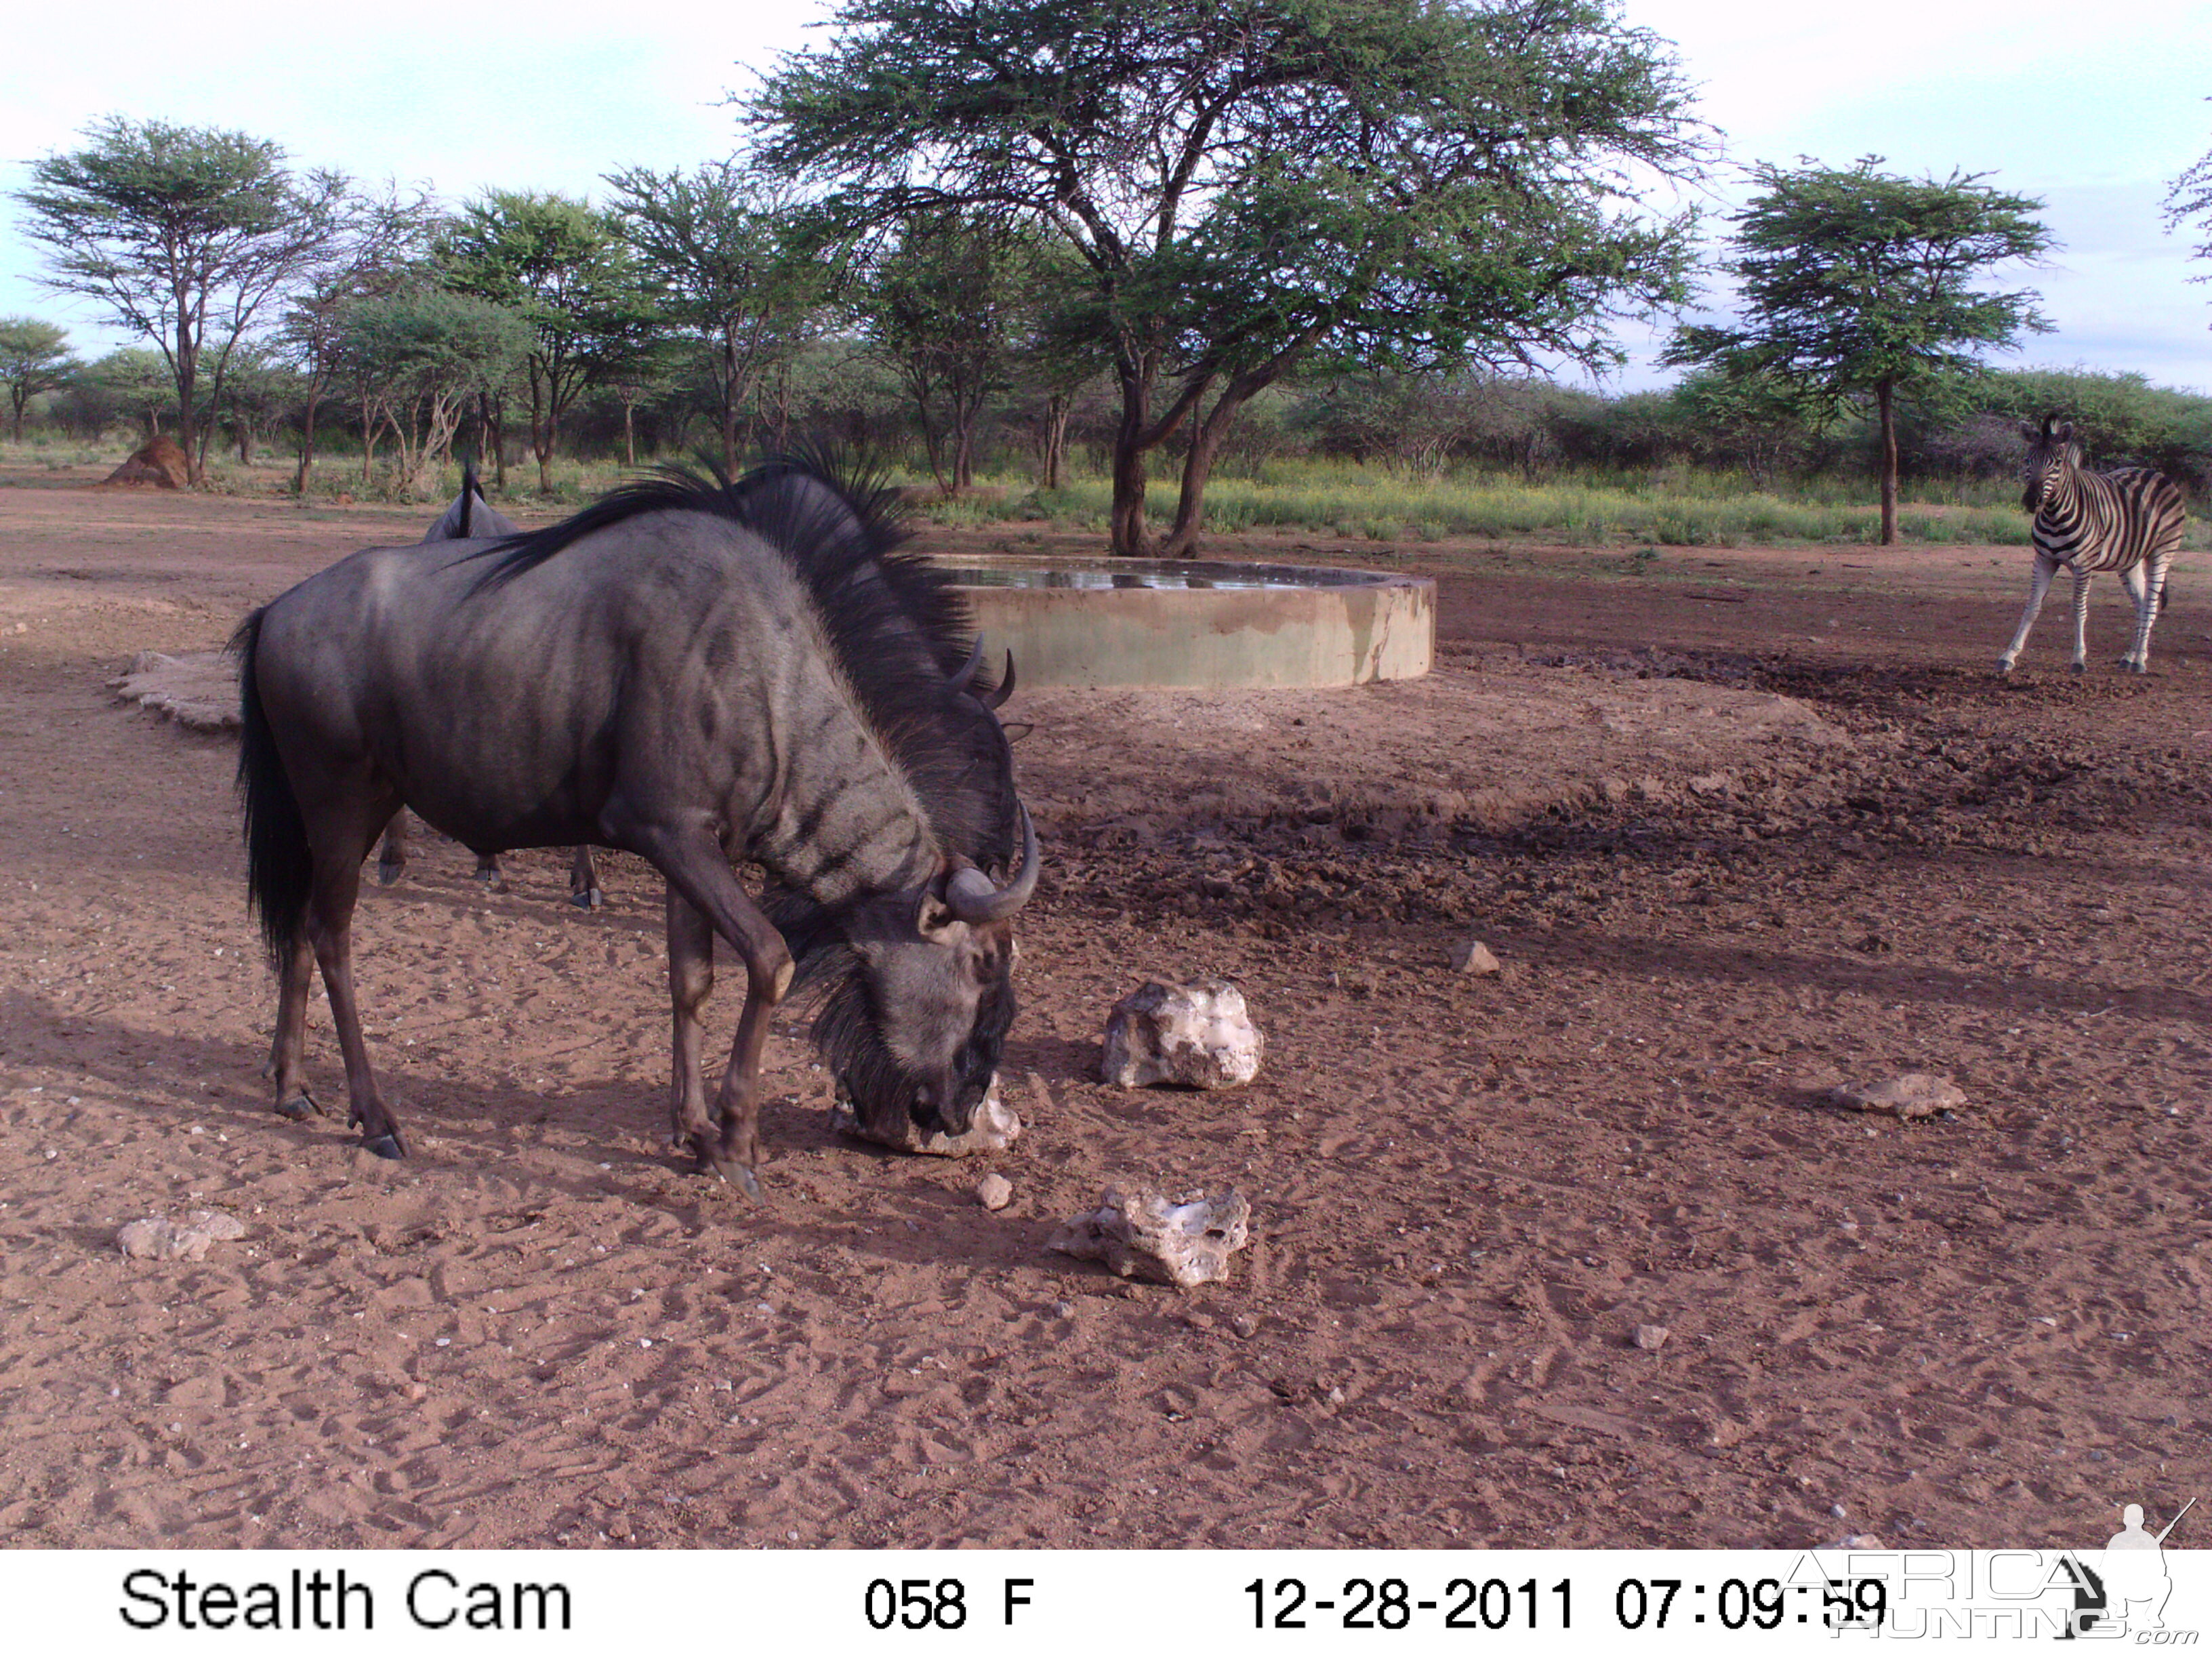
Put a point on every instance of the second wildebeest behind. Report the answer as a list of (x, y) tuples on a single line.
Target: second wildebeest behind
[(696, 673)]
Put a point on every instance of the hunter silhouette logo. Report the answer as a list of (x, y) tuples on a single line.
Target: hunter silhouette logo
[(2127, 1589)]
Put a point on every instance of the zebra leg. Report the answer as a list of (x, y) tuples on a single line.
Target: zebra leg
[(2038, 585), (391, 859), (2148, 607), (584, 882), (2080, 621), (2142, 594)]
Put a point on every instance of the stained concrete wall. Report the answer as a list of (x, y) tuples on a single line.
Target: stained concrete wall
[(1346, 634)]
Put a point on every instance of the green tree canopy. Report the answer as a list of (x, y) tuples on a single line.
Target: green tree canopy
[(735, 264), (949, 306), (35, 357), (562, 266), (415, 359), (1250, 182), (184, 235), (1858, 284)]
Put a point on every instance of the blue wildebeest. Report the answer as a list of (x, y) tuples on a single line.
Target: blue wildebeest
[(695, 672), (469, 517)]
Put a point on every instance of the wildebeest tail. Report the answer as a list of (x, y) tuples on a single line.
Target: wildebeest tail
[(279, 864)]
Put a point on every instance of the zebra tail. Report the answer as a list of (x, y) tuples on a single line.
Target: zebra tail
[(280, 866)]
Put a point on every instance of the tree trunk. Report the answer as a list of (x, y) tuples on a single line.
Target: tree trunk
[(1126, 535), (1055, 437), (494, 412), (1198, 467), (732, 395), (19, 398), (307, 445), (1883, 402), (629, 433)]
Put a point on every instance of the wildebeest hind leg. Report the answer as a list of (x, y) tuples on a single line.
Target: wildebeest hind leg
[(690, 977), (340, 846), (287, 1054)]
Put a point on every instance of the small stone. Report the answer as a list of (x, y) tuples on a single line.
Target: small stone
[(1243, 1324), (995, 1192), (1915, 1095), (215, 1224), (1063, 1310), (1855, 1540), (1838, 1510), (1200, 1035), (1473, 957), (1651, 1338), (619, 1527)]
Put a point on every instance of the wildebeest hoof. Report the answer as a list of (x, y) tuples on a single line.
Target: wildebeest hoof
[(588, 899), (738, 1175), (386, 1145), (389, 870), (299, 1108)]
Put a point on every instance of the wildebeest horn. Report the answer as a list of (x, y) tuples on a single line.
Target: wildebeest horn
[(998, 699), (972, 897), (966, 671)]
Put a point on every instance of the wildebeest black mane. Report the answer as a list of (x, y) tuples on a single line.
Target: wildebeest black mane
[(899, 626)]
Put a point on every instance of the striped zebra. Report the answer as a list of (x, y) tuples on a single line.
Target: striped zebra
[(2129, 521)]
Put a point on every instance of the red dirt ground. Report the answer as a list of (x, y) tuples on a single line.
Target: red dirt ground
[(1740, 822)]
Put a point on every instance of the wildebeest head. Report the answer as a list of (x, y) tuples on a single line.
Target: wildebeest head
[(914, 1028), (2051, 448)]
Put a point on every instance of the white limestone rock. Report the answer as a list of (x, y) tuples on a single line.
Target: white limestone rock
[(1472, 956), (1198, 1036), (1137, 1233), (1915, 1095), (198, 689), (993, 1129), (157, 1239)]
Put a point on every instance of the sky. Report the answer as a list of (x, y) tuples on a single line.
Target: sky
[(2040, 95)]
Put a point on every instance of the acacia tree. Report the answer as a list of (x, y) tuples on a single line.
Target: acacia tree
[(735, 265), (1857, 284), (417, 358), (35, 357), (380, 241), (1250, 182), (2189, 199), (948, 306), (184, 235), (562, 266)]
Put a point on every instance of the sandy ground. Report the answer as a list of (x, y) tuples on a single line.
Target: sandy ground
[(1740, 824)]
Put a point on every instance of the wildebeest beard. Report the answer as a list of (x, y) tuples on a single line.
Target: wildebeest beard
[(848, 1031)]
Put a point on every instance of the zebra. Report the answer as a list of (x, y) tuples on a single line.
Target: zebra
[(2128, 519)]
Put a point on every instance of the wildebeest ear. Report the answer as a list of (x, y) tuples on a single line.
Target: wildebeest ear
[(933, 917)]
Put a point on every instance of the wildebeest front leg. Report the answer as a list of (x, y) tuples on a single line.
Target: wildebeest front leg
[(696, 867), (690, 977), (584, 882), (392, 858)]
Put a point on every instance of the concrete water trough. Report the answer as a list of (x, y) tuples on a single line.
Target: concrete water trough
[(1146, 621)]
